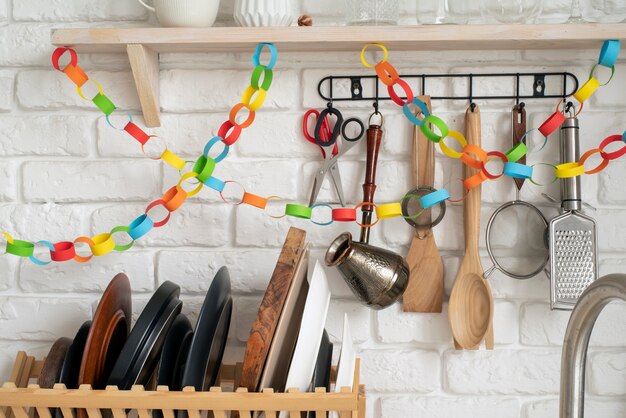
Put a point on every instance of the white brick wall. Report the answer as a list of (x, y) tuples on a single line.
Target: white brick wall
[(65, 173)]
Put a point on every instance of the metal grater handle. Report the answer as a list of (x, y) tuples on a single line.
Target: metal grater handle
[(570, 152)]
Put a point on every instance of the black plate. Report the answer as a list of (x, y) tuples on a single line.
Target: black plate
[(174, 354), (71, 363), (138, 358), (145, 366), (321, 374), (323, 365), (209, 338)]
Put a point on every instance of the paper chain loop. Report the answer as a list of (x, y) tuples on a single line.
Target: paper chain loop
[(252, 99), (476, 157)]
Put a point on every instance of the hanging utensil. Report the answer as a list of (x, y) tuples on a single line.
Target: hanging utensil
[(424, 292), (518, 127), (530, 249), (470, 310), (573, 236), (376, 276), (374, 138)]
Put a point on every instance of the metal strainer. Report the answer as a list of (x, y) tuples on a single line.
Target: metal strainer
[(516, 230), (515, 240)]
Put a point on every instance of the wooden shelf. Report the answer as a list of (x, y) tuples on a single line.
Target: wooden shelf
[(343, 38), (144, 44)]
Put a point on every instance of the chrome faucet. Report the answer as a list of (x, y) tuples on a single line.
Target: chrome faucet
[(609, 288)]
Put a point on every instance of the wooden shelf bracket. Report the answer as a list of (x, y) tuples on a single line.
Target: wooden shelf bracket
[(144, 63)]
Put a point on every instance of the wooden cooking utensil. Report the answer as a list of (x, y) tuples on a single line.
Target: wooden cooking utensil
[(374, 138), (471, 304), (424, 292)]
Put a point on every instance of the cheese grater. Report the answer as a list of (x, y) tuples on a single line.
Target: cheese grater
[(573, 238)]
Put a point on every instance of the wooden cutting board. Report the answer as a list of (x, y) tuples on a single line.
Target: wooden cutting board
[(424, 293), (281, 351), (266, 322)]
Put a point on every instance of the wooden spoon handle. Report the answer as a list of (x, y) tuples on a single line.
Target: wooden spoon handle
[(471, 208), (374, 138), (423, 161), (423, 155)]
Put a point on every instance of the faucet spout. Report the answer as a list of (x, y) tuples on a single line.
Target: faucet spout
[(609, 288)]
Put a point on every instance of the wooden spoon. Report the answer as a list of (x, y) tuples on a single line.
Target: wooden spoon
[(471, 304), (424, 292)]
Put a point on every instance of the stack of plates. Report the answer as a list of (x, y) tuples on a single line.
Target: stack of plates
[(141, 352), (161, 349), (288, 345)]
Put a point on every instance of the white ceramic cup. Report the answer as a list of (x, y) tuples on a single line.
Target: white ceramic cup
[(184, 13)]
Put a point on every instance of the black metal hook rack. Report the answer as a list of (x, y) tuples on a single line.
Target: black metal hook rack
[(538, 86)]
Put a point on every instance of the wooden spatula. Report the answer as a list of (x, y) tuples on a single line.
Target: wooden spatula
[(424, 292)]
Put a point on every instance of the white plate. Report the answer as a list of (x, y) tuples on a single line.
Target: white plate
[(347, 361), (311, 330)]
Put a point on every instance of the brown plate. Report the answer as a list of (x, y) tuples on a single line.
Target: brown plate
[(108, 333), (51, 369), (264, 327)]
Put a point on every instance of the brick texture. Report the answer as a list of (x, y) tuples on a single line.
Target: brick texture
[(64, 173), (63, 11)]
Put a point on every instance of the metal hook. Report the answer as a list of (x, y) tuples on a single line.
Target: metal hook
[(471, 91), (330, 102), (568, 108), (517, 88), (377, 98), (369, 121)]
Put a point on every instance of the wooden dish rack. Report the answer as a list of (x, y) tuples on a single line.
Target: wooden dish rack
[(20, 399)]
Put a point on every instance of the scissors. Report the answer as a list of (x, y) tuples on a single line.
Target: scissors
[(324, 133), (332, 148)]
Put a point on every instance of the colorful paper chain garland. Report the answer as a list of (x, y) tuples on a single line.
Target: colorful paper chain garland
[(230, 130), (475, 156), (228, 133)]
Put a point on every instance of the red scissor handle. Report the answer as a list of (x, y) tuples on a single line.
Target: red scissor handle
[(325, 132)]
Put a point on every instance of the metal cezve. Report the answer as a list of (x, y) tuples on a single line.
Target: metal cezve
[(376, 276)]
